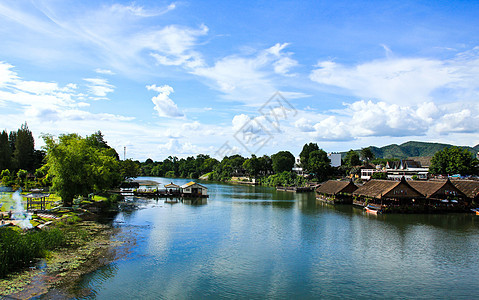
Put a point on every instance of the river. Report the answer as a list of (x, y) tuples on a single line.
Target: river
[(253, 243)]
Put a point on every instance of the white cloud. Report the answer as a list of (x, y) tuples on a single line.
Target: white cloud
[(363, 119), (163, 104), (7, 75), (304, 125), (104, 71), (191, 126), (173, 45), (406, 80), (248, 78), (283, 61), (99, 87), (140, 11), (331, 129), (463, 121), (239, 120)]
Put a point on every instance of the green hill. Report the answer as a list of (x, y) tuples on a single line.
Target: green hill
[(412, 149)]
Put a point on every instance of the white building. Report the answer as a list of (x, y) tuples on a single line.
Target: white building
[(335, 159), (399, 169), (297, 166), (194, 189)]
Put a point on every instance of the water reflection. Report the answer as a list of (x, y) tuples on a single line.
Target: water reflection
[(254, 242)]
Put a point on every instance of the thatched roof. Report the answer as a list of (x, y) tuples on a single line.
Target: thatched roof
[(333, 187), (425, 161), (469, 187), (385, 188), (172, 186), (433, 188)]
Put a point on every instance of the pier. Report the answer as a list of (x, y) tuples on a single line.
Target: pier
[(171, 190)]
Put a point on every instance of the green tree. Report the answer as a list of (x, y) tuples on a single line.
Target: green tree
[(380, 175), (21, 177), (304, 155), (6, 177), (5, 152), (24, 154), (265, 165), (12, 138), (129, 169), (282, 161), (319, 164), (79, 167), (208, 165), (352, 159), (367, 154), (252, 166), (454, 160)]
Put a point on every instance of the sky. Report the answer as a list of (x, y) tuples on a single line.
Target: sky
[(250, 77)]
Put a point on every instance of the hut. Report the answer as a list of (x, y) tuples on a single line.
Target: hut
[(193, 189), (387, 193), (441, 194), (334, 191), (172, 189), (470, 188), (36, 201)]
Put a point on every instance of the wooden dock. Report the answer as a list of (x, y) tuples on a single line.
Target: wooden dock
[(296, 189)]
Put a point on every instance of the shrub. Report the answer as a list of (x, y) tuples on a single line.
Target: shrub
[(19, 249), (170, 174)]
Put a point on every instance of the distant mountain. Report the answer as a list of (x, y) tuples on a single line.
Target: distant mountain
[(412, 149)]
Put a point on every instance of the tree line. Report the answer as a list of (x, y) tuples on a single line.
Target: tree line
[(77, 166), (314, 162)]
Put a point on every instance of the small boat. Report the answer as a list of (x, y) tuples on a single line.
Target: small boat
[(372, 210), (476, 210)]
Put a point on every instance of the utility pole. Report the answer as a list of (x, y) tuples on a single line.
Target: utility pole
[(124, 153)]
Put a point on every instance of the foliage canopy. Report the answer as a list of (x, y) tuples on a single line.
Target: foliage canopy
[(79, 167), (454, 160)]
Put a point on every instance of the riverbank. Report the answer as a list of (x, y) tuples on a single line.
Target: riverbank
[(88, 247), (83, 246)]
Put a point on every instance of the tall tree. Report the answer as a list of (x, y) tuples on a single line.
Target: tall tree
[(266, 165), (282, 161), (12, 138), (367, 154), (252, 165), (24, 154), (352, 159), (319, 164), (78, 167), (304, 155), (5, 152), (454, 160)]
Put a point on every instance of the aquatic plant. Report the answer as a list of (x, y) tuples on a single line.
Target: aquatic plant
[(18, 249)]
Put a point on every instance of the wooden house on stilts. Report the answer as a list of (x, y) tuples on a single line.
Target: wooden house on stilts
[(442, 195), (470, 188), (397, 196), (334, 192)]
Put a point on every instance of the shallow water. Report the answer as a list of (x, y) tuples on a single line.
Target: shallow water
[(254, 243)]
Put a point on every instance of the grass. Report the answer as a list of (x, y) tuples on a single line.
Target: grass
[(18, 249)]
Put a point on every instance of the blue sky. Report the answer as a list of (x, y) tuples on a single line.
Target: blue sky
[(189, 77)]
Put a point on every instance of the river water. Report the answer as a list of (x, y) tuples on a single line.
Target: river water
[(255, 243)]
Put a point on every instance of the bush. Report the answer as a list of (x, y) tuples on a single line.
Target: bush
[(18, 250), (379, 175), (170, 174), (283, 179)]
